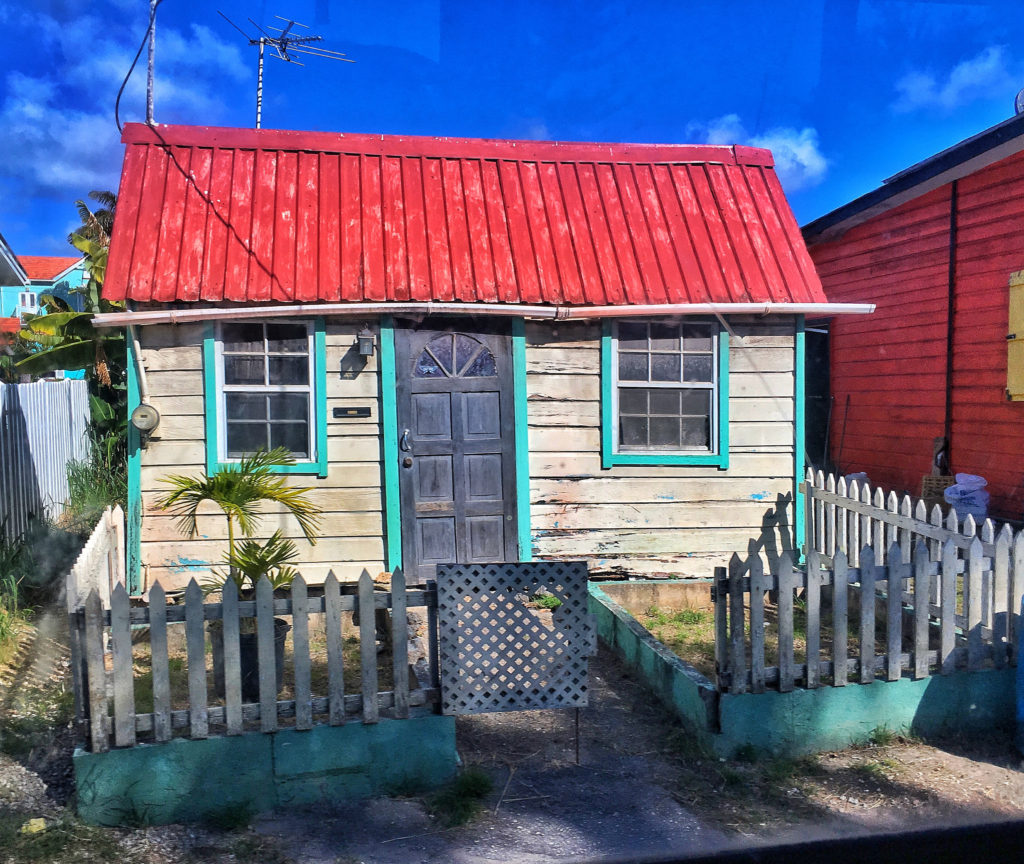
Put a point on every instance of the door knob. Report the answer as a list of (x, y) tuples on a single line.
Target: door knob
[(407, 462)]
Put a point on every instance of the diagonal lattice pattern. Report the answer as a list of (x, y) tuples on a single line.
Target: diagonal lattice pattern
[(501, 653)]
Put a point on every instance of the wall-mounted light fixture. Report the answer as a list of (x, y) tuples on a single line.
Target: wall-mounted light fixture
[(365, 339)]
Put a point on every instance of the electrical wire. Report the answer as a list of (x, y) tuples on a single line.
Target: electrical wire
[(138, 54)]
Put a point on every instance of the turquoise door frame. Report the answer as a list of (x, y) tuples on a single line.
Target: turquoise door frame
[(389, 442)]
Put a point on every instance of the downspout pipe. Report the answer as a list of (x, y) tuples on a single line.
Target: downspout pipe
[(139, 365), (221, 313)]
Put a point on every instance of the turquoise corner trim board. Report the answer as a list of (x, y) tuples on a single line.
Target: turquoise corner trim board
[(608, 455), (519, 399), (316, 466), (800, 431), (389, 444), (133, 518)]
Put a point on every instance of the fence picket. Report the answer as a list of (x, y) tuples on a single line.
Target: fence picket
[(878, 536), (758, 586), (300, 652), (840, 587), (972, 605), (720, 596), (819, 515), (1001, 597), (96, 675), (266, 651), (842, 542), (921, 610), (906, 539), (813, 600), (368, 647), (737, 661), (124, 684), (1016, 593), (936, 551), (947, 611), (335, 663), (232, 658), (987, 534), (855, 545), (160, 663), (867, 615), (399, 645), (786, 585), (866, 534), (897, 572), (195, 647), (830, 518)]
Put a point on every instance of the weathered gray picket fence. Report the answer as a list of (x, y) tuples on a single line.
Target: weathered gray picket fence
[(109, 686), (834, 594)]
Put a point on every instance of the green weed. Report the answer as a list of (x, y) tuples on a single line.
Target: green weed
[(546, 601), (63, 839), (460, 801)]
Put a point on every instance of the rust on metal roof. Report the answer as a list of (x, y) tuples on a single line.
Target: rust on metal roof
[(209, 214)]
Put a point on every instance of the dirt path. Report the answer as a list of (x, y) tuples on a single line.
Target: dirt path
[(640, 789)]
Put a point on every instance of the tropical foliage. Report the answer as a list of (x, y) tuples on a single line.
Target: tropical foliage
[(240, 490)]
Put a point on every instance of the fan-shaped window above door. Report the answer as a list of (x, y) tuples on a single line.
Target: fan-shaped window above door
[(455, 355)]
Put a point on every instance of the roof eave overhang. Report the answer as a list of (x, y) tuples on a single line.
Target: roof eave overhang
[(986, 148), (228, 313)]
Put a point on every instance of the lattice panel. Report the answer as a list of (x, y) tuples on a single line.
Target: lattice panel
[(501, 653)]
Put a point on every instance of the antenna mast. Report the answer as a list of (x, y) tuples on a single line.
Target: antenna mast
[(285, 45)]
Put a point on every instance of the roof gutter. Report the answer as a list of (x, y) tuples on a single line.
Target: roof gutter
[(227, 313)]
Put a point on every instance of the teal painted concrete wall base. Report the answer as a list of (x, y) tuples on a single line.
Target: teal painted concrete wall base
[(186, 781), (808, 721)]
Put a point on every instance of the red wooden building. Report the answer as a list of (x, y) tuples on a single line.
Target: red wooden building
[(935, 248)]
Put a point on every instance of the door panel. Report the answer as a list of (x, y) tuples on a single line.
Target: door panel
[(457, 445)]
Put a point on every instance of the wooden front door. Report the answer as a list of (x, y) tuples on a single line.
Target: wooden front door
[(456, 446)]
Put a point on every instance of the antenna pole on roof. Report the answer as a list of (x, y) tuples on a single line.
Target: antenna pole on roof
[(152, 51), (283, 44)]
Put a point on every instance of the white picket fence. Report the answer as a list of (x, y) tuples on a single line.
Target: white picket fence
[(841, 605), (108, 697), (42, 427), (99, 567)]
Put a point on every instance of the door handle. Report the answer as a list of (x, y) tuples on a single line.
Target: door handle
[(404, 443)]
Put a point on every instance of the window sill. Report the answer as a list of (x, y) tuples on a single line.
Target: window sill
[(316, 468), (708, 459)]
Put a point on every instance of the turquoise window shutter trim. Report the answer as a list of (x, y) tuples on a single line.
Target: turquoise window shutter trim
[(389, 444), (610, 458), (316, 466), (133, 518), (520, 404)]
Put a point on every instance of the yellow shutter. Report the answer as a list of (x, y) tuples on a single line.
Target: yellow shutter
[(1015, 339)]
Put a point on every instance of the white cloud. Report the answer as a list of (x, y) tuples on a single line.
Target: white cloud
[(798, 157), (981, 77)]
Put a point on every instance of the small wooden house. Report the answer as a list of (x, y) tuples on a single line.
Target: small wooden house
[(940, 249), (476, 350)]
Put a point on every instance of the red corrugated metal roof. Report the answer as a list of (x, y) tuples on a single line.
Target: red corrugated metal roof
[(10, 325), (46, 266), (262, 215)]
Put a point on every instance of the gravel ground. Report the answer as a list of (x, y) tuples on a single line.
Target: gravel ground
[(640, 788)]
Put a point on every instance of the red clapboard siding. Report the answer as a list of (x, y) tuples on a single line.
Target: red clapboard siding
[(892, 366), (271, 216)]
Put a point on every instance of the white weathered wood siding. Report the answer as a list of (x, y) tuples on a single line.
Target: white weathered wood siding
[(350, 495), (636, 519)]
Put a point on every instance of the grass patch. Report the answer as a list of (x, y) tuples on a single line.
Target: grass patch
[(688, 633), (461, 800), (546, 601), (61, 840)]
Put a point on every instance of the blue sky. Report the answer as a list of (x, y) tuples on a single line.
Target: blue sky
[(845, 92)]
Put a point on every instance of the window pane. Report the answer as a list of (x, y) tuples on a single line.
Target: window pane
[(697, 367), (665, 367), (664, 337), (290, 338), (245, 406), (665, 402), (632, 400), (289, 370), (633, 336), (633, 367), (441, 348), (243, 370), (245, 438), (465, 347), (426, 367), (696, 402), (697, 337), (289, 406), (665, 432), (243, 337), (696, 432), (482, 367), (292, 436), (633, 431)]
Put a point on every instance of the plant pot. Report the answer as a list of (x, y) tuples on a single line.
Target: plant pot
[(249, 660)]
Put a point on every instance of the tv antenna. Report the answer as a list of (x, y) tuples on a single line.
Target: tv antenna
[(285, 45)]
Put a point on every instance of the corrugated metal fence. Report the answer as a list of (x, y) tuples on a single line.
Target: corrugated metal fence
[(42, 427)]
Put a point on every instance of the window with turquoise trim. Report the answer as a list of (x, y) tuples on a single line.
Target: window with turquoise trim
[(665, 393), (266, 388)]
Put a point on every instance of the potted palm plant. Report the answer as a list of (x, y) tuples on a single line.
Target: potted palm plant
[(239, 490)]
